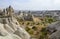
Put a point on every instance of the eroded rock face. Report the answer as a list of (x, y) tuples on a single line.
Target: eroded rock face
[(10, 36), (54, 29), (9, 26), (55, 35), (12, 30)]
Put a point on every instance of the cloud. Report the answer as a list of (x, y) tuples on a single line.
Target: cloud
[(34, 4)]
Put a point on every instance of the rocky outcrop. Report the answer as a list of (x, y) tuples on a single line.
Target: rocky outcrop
[(12, 30), (9, 26), (55, 35), (10, 36), (54, 29)]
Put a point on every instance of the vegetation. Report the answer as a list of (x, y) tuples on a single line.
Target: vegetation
[(37, 29), (43, 33)]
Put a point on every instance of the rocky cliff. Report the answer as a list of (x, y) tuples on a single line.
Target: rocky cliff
[(10, 29)]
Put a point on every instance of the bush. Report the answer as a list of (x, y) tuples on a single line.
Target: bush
[(35, 28), (31, 31), (27, 28), (50, 20), (27, 23), (43, 33)]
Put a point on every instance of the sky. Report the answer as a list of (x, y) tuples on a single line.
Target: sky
[(31, 4)]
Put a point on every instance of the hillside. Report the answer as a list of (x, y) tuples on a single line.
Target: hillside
[(9, 26)]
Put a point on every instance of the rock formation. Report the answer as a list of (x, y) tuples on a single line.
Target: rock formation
[(54, 29), (10, 28)]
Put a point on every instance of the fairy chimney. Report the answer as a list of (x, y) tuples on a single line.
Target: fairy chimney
[(9, 11)]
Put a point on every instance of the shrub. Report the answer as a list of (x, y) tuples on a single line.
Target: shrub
[(27, 28), (31, 31), (35, 28)]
